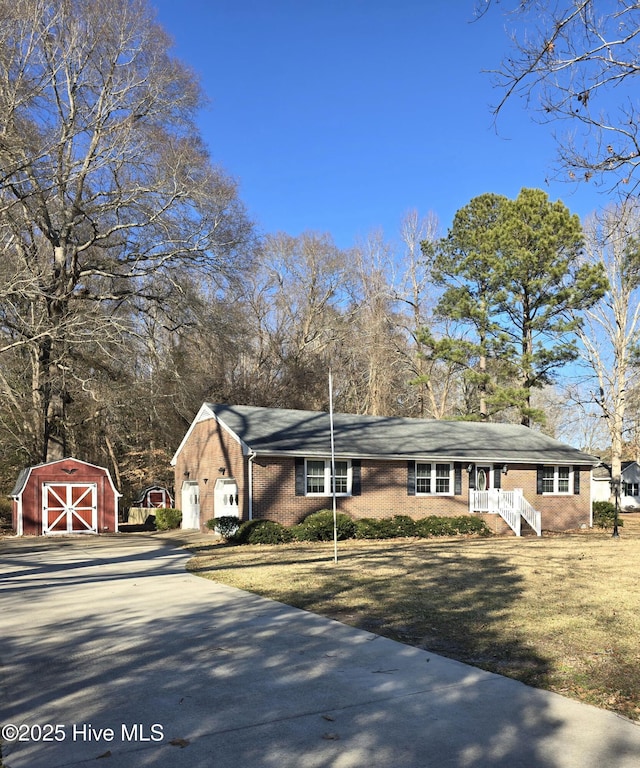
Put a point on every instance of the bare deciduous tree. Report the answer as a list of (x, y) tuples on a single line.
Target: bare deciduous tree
[(611, 330), (576, 60), (107, 194), (294, 302), (375, 340), (433, 386)]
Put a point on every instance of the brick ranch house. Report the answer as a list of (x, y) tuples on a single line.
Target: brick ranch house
[(275, 463)]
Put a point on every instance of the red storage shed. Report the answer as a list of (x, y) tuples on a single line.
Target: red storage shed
[(154, 497), (65, 496)]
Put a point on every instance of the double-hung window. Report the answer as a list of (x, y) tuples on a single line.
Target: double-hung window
[(631, 489), (318, 477), (556, 480), (433, 479)]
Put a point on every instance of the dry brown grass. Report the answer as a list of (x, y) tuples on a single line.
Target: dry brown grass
[(561, 612)]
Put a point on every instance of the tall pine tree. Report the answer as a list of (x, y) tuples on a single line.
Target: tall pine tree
[(512, 276)]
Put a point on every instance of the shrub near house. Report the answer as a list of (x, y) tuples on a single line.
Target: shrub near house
[(319, 527), (168, 519), (604, 514)]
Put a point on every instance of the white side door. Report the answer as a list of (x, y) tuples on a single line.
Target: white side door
[(190, 505), (225, 498)]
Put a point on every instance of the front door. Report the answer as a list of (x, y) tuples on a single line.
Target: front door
[(483, 478), (69, 508)]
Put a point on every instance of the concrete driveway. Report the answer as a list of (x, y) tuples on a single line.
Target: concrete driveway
[(111, 651)]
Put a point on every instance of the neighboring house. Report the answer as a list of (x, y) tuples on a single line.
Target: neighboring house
[(630, 490), (276, 463), (64, 496), (601, 483)]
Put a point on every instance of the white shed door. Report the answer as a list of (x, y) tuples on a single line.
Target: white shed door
[(190, 505), (69, 508)]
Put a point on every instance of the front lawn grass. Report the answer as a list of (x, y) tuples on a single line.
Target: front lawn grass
[(561, 612)]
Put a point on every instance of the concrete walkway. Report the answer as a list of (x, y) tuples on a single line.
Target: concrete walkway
[(133, 661)]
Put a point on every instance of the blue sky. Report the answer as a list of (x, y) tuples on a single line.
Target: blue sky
[(339, 116)]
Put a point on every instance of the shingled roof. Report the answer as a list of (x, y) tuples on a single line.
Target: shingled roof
[(281, 431)]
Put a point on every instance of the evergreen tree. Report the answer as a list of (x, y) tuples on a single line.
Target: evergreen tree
[(512, 275)]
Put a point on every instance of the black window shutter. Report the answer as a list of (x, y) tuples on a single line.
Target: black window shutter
[(411, 478), (576, 480), (457, 478), (301, 484), (539, 473), (356, 477), (497, 479), (472, 477)]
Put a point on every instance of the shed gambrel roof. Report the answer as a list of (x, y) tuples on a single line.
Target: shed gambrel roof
[(281, 431), (23, 477), (20, 482)]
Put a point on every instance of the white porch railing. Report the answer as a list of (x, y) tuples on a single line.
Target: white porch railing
[(510, 505), (531, 515)]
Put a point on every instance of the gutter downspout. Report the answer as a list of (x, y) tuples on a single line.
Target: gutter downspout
[(251, 456)]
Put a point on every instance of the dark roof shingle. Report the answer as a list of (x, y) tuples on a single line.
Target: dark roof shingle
[(294, 432)]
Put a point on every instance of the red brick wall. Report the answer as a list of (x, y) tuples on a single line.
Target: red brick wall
[(559, 513), (384, 487), (208, 448), (384, 493)]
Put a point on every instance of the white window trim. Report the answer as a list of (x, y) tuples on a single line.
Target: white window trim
[(433, 492), (556, 481), (327, 478)]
